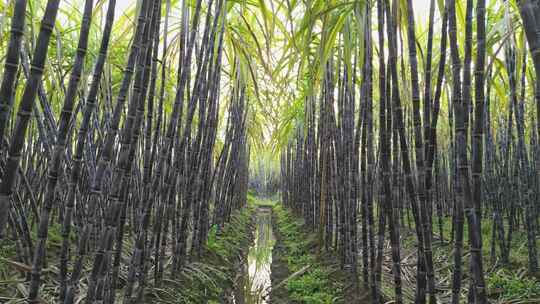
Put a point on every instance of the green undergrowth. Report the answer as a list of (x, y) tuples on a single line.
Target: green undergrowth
[(211, 278), (508, 285), (255, 200), (504, 282), (518, 254), (54, 243), (316, 285), (7, 252)]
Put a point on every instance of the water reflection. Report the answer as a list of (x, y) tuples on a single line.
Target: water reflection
[(258, 282)]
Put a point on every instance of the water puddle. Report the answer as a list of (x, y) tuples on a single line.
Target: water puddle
[(257, 283)]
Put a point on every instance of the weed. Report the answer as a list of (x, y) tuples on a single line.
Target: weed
[(510, 286), (315, 285)]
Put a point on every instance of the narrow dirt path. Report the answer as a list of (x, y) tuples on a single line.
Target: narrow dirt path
[(300, 273)]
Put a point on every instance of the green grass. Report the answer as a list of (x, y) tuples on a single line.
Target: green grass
[(518, 252), (508, 285), (315, 286), (503, 282), (255, 201), (232, 238), (207, 280), (7, 251)]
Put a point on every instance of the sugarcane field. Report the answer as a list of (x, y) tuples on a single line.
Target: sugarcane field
[(269, 151)]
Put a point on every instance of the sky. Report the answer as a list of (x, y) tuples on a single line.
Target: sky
[(121, 5)]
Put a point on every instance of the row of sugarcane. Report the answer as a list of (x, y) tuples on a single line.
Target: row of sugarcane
[(113, 167), (335, 173), (264, 180)]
